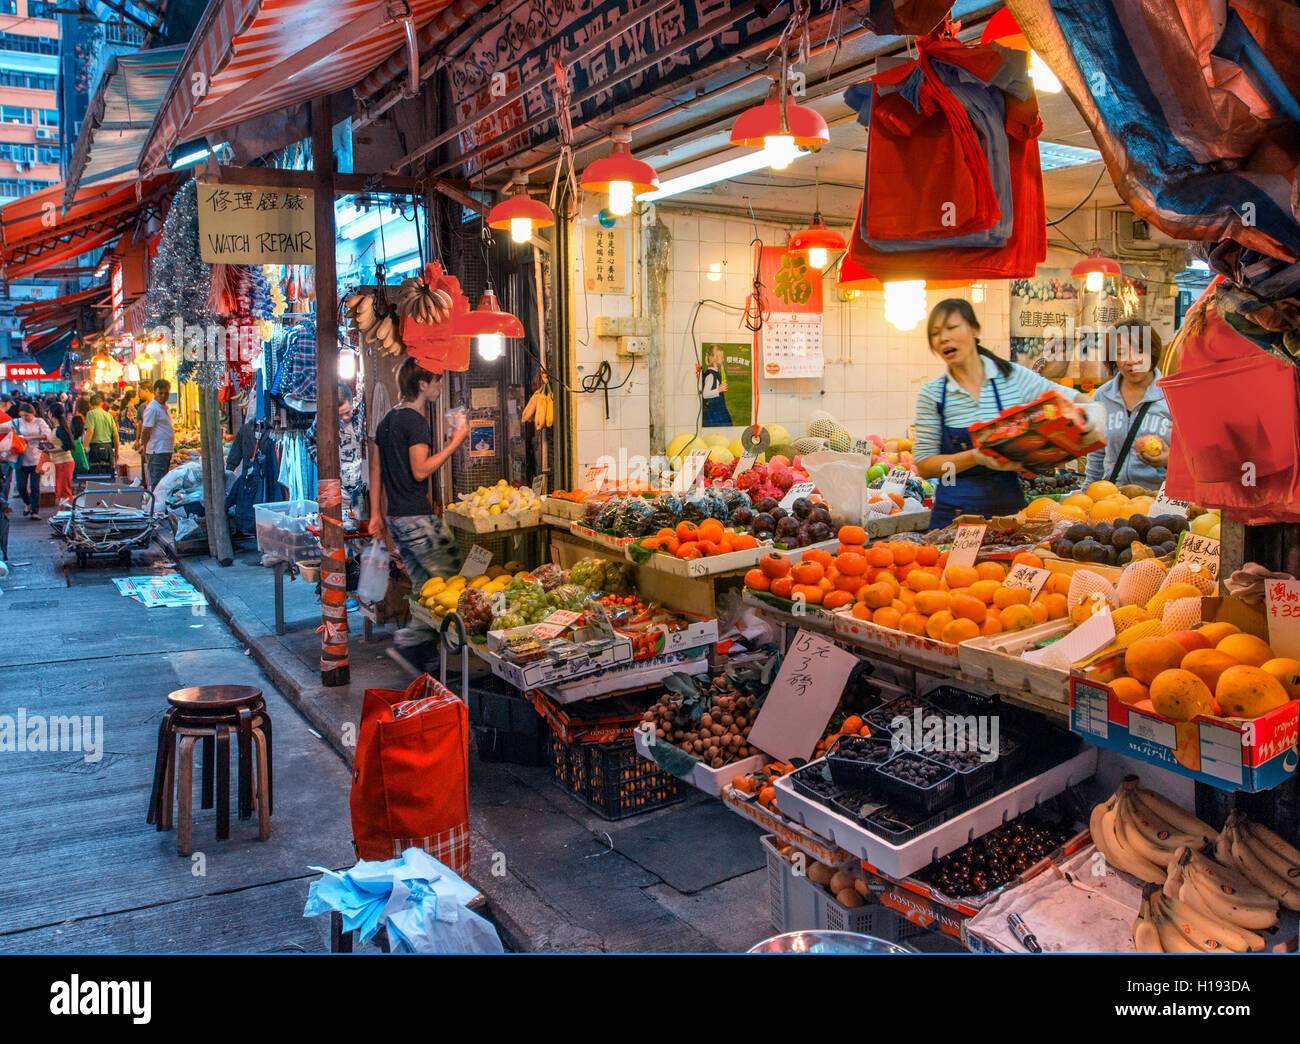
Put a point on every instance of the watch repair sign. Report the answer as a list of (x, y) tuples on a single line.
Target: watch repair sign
[(246, 225)]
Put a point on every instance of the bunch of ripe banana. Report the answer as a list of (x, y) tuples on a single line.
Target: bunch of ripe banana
[(422, 302), (541, 408), (1263, 858), (1203, 907), (375, 321), (1138, 831)]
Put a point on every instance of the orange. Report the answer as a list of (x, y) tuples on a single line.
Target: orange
[(851, 563), (887, 617), (861, 611), (931, 601), (825, 584), (1100, 489), (942, 561), (665, 533), (819, 555), (912, 623), (1077, 500), (1028, 558), (783, 586), (852, 535), (852, 725), (959, 631), (927, 555), (1246, 648), (847, 583), (960, 576), (837, 599), (1129, 690), (670, 543), (1005, 596), (1017, 618), (908, 597), (812, 594), (757, 580), (903, 571), (687, 531), (937, 622), (1147, 657), (1058, 606), (904, 553), (806, 572), (922, 580), (986, 591), (967, 607), (877, 595), (900, 605), (1040, 507), (991, 571), (1039, 609), (991, 626), (1073, 513), (1058, 583), (1109, 511), (880, 557), (710, 529)]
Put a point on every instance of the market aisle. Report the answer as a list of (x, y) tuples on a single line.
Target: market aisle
[(83, 871)]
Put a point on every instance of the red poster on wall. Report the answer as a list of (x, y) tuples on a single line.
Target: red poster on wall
[(790, 284)]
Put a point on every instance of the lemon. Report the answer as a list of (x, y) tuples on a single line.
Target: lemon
[(495, 509)]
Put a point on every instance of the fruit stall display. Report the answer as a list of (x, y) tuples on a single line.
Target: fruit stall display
[(493, 508)]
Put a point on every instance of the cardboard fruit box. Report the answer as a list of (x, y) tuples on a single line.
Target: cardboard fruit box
[(1038, 435), (1229, 753)]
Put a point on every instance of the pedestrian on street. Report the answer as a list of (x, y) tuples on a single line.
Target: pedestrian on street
[(36, 432), (352, 434), (7, 414), (157, 438), (61, 456), (402, 462), (101, 436)]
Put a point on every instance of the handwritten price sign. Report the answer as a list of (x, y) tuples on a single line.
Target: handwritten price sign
[(1201, 553), (1164, 506), (1282, 603), (1027, 576), (896, 480), (595, 478), (476, 562), (799, 489), (803, 696), (965, 546)]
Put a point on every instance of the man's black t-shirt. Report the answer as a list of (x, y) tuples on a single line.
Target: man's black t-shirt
[(399, 430)]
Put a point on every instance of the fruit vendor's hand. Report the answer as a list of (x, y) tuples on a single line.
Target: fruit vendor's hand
[(985, 461), (1094, 415), (1156, 460)]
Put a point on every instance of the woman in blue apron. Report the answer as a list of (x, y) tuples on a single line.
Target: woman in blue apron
[(976, 388)]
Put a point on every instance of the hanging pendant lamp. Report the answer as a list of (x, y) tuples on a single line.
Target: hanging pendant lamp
[(489, 325), (780, 127), (520, 213), (1095, 268), (1004, 29), (620, 174), (816, 240)]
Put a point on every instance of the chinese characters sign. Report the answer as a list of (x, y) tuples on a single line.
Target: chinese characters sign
[(1043, 303), (604, 260), (244, 225), (803, 696), (1282, 598)]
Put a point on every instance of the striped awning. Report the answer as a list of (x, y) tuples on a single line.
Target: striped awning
[(38, 232), (39, 314), (117, 123), (248, 58)]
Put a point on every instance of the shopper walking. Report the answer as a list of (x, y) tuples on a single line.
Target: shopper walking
[(36, 432), (62, 455), (127, 417), (157, 439), (401, 496), (8, 412), (101, 434)]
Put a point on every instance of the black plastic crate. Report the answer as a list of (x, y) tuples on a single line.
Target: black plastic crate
[(973, 775), (506, 726), (858, 771), (612, 779), (938, 795)]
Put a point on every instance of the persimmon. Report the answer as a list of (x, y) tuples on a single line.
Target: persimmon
[(927, 554), (812, 594), (880, 557), (783, 586), (852, 535), (903, 552), (757, 580), (774, 566), (806, 572), (836, 599), (687, 531), (861, 611), (819, 555), (851, 563), (991, 571), (711, 530)]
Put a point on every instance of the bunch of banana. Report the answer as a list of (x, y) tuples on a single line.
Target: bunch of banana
[(1263, 858), (421, 302), (1166, 925), (375, 322), (1138, 831), (541, 408)]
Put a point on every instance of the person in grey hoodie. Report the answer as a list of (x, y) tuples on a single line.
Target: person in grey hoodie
[(1138, 425)]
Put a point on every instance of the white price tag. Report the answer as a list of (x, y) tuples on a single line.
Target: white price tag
[(1029, 577), (556, 624), (692, 465), (539, 485), (965, 546), (595, 478), (1153, 730), (862, 447), (476, 562), (1201, 553), (803, 696), (1164, 506), (745, 462), (1282, 604), (896, 480), (799, 489)]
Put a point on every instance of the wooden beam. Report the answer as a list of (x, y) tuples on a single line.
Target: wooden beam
[(456, 190), (344, 184)]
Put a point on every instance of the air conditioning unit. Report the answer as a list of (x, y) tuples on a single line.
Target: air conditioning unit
[(45, 134), (22, 166)]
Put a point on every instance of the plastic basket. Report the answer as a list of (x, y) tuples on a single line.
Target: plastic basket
[(936, 796), (612, 779), (506, 726), (797, 904), (855, 772)]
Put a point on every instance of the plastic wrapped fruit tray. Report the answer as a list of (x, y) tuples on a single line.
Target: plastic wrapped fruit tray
[(921, 841)]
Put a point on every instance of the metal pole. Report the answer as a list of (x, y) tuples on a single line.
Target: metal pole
[(334, 665)]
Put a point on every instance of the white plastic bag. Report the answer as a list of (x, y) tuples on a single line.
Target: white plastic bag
[(842, 479), (373, 583)]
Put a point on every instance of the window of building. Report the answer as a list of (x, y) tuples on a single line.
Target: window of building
[(17, 153), (9, 7), (15, 114), (49, 117), (45, 154), (41, 9), (28, 44), (32, 81)]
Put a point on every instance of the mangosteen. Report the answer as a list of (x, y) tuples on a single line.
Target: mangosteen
[(763, 523), (1158, 535), (1140, 524), (787, 526), (1167, 548), (802, 507), (819, 531), (1112, 554), (1123, 536), (800, 539), (1078, 532), (764, 505), (820, 513), (1125, 556), (742, 516), (1102, 531)]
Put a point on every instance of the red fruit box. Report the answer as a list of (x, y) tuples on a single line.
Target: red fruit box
[(1038, 435), (603, 721)]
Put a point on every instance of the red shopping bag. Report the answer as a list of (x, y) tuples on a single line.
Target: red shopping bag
[(410, 781)]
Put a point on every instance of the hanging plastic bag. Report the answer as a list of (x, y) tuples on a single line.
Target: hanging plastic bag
[(373, 584)]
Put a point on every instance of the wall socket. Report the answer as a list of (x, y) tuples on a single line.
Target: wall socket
[(634, 345), (623, 326)]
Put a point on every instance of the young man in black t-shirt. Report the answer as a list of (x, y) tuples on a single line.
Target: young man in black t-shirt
[(401, 496)]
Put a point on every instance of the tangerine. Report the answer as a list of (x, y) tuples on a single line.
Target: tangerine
[(819, 555), (812, 594), (904, 553), (912, 623), (931, 601), (807, 572), (1028, 558), (960, 630), (876, 595), (757, 580), (851, 563), (960, 576), (1039, 609), (852, 535), (1005, 596), (861, 611), (837, 599), (847, 583), (968, 607), (880, 557), (937, 622), (783, 586), (986, 591), (1058, 606), (1016, 618), (992, 625), (887, 617), (991, 571), (1058, 583), (927, 555), (922, 580)]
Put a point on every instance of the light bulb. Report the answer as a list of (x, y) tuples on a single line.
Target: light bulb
[(1094, 282), (817, 257), (781, 150), (620, 197), (491, 346), (521, 229), (905, 303), (347, 365), (1044, 79)]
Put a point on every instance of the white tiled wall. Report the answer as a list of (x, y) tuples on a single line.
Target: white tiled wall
[(872, 373)]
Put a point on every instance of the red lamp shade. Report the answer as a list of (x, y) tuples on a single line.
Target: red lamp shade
[(816, 235), (1003, 28), (852, 276), (620, 165), (533, 210), (1097, 262), (487, 318), (754, 126)]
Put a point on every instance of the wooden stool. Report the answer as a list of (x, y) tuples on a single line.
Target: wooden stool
[(208, 713)]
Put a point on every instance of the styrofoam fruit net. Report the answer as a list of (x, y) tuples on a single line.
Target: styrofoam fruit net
[(1085, 583), (1172, 592), (1182, 614), (1183, 573), (1140, 581), (821, 427), (1145, 629), (1060, 518), (809, 445)]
